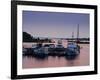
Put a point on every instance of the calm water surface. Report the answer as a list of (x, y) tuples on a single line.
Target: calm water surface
[(81, 60)]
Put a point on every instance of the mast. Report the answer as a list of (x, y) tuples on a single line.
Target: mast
[(72, 36), (78, 33)]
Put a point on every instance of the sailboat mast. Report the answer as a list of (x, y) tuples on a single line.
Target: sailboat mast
[(72, 36), (78, 33)]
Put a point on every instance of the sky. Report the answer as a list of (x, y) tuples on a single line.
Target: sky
[(55, 24)]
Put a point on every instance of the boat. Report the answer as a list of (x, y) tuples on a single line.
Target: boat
[(39, 51), (59, 49), (73, 48), (24, 50)]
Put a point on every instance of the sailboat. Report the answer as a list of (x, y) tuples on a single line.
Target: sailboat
[(73, 48)]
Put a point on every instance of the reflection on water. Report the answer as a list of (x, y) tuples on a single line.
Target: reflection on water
[(55, 61)]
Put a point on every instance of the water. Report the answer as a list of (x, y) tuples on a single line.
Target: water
[(53, 61)]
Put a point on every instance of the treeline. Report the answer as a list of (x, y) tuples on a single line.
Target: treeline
[(81, 39), (29, 38)]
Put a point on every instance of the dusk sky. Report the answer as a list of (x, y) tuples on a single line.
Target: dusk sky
[(55, 24)]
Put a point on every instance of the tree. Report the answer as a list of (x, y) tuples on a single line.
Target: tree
[(27, 37)]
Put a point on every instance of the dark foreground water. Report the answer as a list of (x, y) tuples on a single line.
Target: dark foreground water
[(54, 61)]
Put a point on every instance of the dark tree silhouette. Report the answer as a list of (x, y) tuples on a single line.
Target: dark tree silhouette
[(27, 37)]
